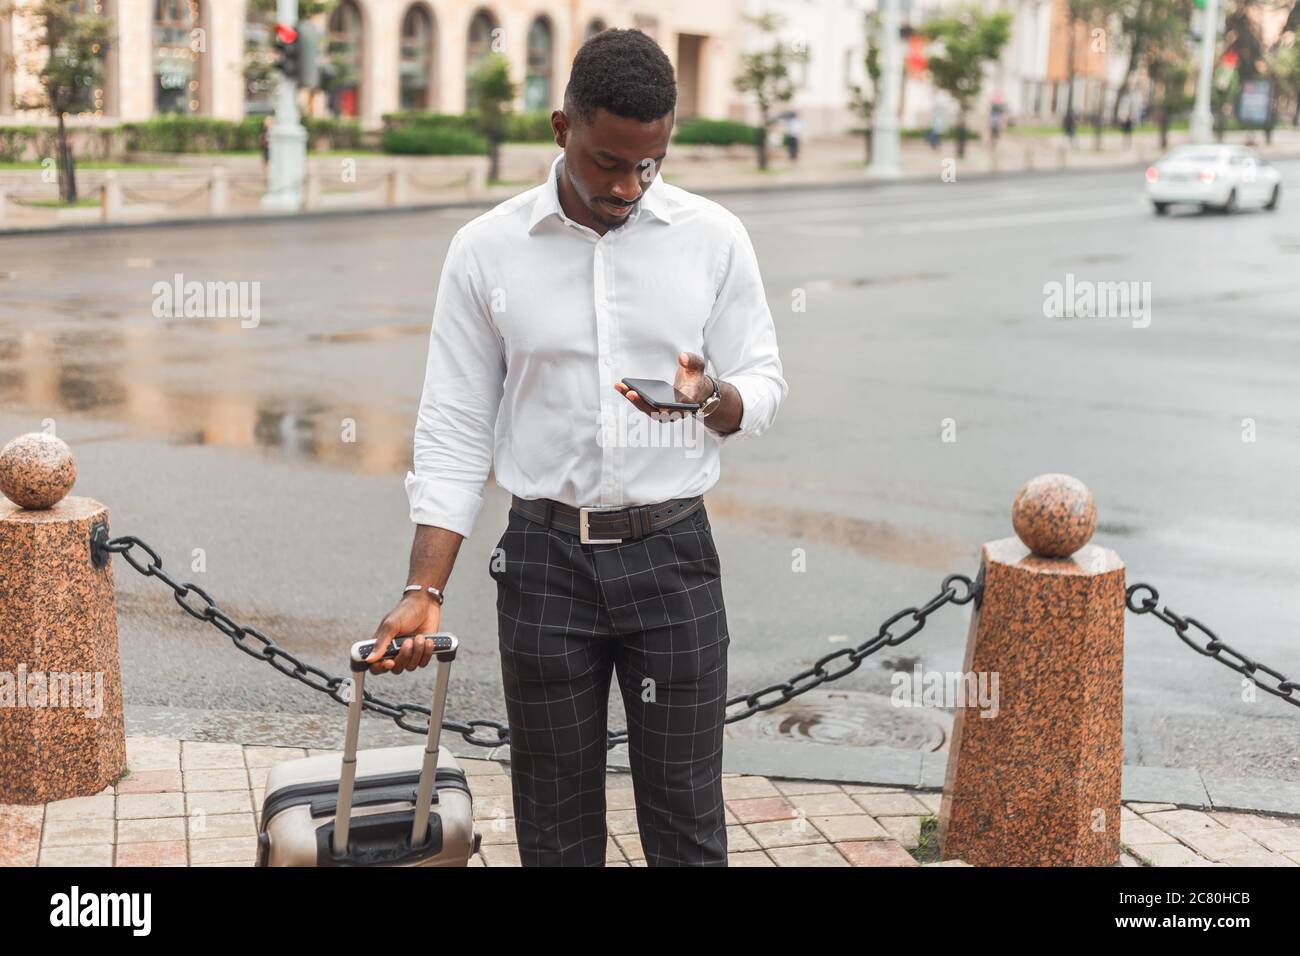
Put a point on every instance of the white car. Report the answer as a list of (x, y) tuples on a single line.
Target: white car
[(1219, 176)]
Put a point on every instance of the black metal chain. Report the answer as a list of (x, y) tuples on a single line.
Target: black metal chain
[(199, 604), (1214, 647)]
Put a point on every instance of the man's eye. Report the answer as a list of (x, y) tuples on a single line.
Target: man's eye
[(608, 169)]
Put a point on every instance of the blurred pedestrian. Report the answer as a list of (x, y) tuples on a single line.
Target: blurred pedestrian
[(793, 130), (267, 122), (938, 126), (1070, 124)]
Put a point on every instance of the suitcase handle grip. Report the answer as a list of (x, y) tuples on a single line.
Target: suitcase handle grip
[(445, 645)]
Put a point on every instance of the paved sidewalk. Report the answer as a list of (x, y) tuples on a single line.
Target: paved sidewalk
[(187, 803)]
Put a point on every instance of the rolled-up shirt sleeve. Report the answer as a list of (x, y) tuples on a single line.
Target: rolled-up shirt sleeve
[(740, 339), (463, 383)]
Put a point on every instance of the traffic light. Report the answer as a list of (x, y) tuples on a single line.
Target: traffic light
[(286, 42), (309, 59)]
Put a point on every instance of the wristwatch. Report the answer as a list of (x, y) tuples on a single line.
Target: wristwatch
[(708, 406), (433, 592)]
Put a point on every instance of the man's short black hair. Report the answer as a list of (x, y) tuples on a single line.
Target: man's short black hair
[(624, 72)]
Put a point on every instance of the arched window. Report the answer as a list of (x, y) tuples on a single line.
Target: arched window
[(595, 26), (416, 68), (344, 59), (176, 49), (478, 47), (537, 82), (259, 60)]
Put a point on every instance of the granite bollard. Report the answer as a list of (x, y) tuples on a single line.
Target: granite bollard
[(61, 728), (1038, 783)]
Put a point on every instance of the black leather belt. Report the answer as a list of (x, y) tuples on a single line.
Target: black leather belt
[(605, 525)]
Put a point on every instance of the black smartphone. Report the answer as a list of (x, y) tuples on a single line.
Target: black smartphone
[(660, 395)]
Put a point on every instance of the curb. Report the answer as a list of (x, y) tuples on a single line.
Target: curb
[(854, 182), (876, 766)]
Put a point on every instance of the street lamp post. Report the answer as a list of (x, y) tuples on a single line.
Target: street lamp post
[(1202, 126), (884, 138), (288, 138)]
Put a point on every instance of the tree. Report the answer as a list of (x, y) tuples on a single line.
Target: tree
[(1284, 68), (971, 39), (69, 41), (766, 74), (1170, 75), (1151, 28), (492, 96), (862, 100)]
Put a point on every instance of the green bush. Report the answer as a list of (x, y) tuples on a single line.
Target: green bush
[(433, 141), (336, 134), (408, 118), (193, 134), (717, 133), (533, 127)]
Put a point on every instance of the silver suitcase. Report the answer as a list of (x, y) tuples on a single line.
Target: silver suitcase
[(395, 806)]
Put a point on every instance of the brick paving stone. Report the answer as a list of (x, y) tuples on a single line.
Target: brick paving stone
[(223, 850), (746, 788), (621, 798), (1150, 807), (206, 826), (202, 755), (1168, 854), (101, 855), (150, 830), (270, 756), (153, 753), (621, 821), (20, 834), (818, 854), (1137, 831), (150, 781), (891, 804), (257, 777), (875, 853), (791, 787), (492, 784), (858, 827), (852, 789), (197, 780), (474, 766), (150, 854), (1236, 820), (761, 809), (81, 808), (505, 854), (1183, 823), (1279, 840), (749, 858), (77, 833), (739, 841), (497, 834), (139, 806), (823, 804), (630, 844), (219, 801), (1259, 858), (1217, 844), (932, 801), (787, 832), (906, 830), (1128, 859)]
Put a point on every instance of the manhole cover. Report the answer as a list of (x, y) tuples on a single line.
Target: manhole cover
[(848, 719)]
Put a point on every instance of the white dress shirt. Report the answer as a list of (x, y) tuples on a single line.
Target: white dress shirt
[(536, 318)]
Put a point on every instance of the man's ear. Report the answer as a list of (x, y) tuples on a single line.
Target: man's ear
[(560, 124)]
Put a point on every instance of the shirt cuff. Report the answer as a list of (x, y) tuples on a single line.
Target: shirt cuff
[(442, 505), (750, 399)]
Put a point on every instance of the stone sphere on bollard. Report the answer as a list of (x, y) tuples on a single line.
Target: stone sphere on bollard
[(1054, 515), (37, 470)]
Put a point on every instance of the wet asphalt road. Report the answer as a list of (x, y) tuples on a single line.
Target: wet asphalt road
[(924, 302)]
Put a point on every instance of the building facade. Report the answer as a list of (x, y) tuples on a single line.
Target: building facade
[(190, 56)]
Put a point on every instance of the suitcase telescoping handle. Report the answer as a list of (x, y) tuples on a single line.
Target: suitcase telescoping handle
[(444, 653)]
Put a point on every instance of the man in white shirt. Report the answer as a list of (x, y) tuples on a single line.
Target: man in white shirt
[(607, 563)]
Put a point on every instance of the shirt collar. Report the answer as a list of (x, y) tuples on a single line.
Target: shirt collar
[(653, 199)]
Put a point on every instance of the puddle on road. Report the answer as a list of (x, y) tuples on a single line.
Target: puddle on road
[(371, 438)]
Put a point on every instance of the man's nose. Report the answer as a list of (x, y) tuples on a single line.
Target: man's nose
[(628, 188)]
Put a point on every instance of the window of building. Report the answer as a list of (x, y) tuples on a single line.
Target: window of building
[(416, 66), (175, 56), (343, 53), (478, 48), (537, 83)]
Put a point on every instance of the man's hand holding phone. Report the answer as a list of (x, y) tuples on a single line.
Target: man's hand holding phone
[(690, 388)]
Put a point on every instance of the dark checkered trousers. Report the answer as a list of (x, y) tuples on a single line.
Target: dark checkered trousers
[(571, 615)]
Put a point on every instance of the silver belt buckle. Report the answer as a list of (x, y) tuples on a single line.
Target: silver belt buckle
[(583, 529)]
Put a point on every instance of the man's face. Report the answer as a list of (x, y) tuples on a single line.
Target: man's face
[(612, 160)]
